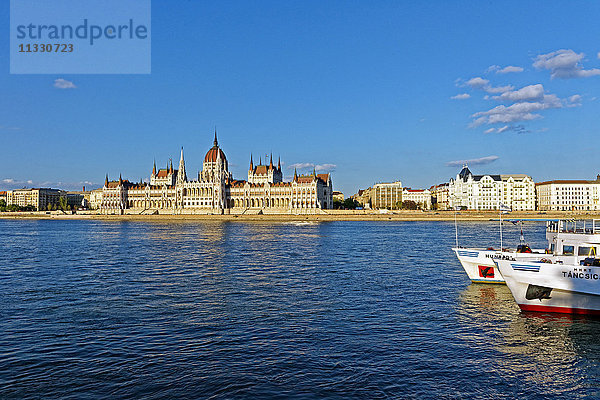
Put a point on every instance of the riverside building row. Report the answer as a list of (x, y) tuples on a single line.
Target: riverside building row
[(489, 192), (392, 196), (215, 191), (42, 199)]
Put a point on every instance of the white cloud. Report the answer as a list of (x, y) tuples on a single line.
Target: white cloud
[(509, 69), (499, 70), (10, 184), (527, 93), (508, 128), (477, 82), (301, 165), (564, 64), (498, 89), (325, 167), (524, 111), (473, 161), (462, 96), (574, 101), (64, 84), (484, 84), (316, 167)]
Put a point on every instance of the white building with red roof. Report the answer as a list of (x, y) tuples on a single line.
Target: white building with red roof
[(421, 197), (568, 195)]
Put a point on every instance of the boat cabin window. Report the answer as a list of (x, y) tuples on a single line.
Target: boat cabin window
[(586, 251), (568, 250), (552, 247)]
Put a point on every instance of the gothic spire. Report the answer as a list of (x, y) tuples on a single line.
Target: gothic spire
[(260, 160), (271, 162), (216, 143), (171, 166), (120, 180), (251, 163), (154, 168), (106, 181), (181, 175), (295, 175), (279, 163)]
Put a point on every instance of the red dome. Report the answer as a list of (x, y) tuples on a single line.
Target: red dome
[(213, 153)]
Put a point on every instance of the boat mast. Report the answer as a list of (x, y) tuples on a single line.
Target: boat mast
[(455, 226), (500, 230)]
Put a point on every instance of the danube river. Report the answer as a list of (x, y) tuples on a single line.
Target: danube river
[(341, 310)]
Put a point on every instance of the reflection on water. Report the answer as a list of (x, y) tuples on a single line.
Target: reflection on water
[(262, 310), (543, 354)]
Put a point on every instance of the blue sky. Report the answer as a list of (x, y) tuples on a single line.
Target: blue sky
[(364, 89)]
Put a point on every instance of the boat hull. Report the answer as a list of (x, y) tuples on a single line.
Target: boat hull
[(560, 288), (479, 265)]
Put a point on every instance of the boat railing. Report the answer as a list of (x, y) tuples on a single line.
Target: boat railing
[(589, 227)]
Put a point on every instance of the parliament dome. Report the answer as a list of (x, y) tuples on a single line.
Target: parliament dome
[(214, 152)]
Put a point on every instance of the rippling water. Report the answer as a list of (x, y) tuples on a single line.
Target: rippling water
[(251, 310)]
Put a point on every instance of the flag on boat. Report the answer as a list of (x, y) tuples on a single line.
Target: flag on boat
[(522, 238), (504, 208), (485, 271)]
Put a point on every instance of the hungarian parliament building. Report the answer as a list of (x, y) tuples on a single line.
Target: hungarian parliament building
[(215, 191)]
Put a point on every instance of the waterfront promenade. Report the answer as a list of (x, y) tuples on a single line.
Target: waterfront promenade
[(329, 215)]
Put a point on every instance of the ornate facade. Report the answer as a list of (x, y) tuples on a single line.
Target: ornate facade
[(489, 192), (215, 191)]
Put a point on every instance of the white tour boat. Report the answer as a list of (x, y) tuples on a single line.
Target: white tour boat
[(479, 263), (480, 266), (566, 281)]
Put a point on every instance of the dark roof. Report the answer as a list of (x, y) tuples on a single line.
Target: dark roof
[(494, 177), (464, 173), (323, 177)]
